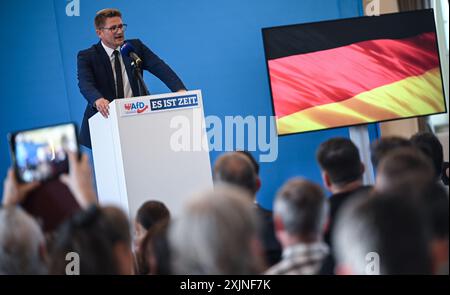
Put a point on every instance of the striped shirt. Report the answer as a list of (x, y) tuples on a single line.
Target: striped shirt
[(300, 259)]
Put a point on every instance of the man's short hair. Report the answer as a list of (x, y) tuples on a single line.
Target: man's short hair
[(405, 170), (102, 15), (252, 159), (152, 212), (430, 145), (387, 225), (383, 146), (339, 158), (236, 169), (301, 205)]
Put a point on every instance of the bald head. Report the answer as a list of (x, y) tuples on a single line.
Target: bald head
[(236, 169)]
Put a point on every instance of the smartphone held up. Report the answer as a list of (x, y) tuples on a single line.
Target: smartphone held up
[(40, 154)]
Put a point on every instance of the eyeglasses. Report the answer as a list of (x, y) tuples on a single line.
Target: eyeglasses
[(115, 28)]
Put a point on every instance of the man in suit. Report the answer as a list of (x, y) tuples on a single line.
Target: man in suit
[(105, 75)]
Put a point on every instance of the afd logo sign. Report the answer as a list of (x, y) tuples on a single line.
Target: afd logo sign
[(136, 107), (168, 103)]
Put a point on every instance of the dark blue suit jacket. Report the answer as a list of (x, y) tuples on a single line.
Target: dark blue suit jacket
[(96, 79)]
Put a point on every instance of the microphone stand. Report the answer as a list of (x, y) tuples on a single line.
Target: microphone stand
[(143, 90)]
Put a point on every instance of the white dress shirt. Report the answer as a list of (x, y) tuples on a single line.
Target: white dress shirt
[(126, 83)]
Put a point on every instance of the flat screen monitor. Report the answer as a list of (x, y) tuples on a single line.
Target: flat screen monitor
[(354, 71)]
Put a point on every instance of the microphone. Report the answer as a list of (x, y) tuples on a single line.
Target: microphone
[(128, 50)]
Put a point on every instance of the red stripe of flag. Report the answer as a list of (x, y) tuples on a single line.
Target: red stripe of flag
[(302, 81)]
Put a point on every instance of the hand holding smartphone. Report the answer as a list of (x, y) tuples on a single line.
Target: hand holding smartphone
[(40, 154)]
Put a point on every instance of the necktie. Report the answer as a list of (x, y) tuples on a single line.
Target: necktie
[(118, 70)]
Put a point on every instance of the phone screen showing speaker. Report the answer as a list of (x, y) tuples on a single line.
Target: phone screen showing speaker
[(41, 154)]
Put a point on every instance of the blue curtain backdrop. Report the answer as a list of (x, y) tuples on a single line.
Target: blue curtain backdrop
[(213, 45)]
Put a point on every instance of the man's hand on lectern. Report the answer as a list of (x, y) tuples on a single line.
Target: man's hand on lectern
[(102, 105)]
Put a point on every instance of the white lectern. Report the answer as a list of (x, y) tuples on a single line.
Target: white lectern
[(151, 148)]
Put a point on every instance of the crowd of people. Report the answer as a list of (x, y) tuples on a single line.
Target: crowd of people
[(399, 225)]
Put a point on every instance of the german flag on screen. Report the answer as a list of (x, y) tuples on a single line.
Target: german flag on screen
[(354, 71)]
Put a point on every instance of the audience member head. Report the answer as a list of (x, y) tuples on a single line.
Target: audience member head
[(217, 234), (22, 244), (237, 169), (430, 145), (154, 257), (149, 214), (252, 159), (383, 146), (101, 238), (255, 166), (341, 165), (383, 234), (404, 170), (299, 212), (436, 204)]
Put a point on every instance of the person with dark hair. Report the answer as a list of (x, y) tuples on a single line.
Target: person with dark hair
[(340, 163), (149, 214), (299, 214), (405, 170), (383, 146), (436, 204), (342, 174), (384, 234), (410, 173), (100, 237), (154, 257), (430, 145), (104, 74), (241, 169)]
